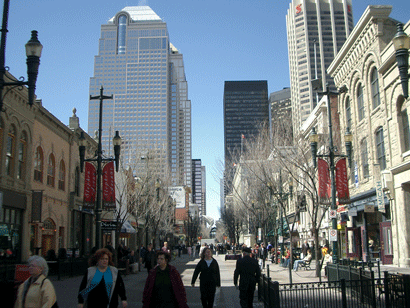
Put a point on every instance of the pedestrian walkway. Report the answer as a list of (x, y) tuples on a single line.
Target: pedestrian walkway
[(67, 288)]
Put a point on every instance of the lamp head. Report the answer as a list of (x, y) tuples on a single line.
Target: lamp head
[(117, 149), (313, 138)]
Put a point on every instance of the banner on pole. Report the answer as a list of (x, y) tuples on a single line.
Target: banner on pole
[(342, 186), (90, 183), (108, 186), (324, 181)]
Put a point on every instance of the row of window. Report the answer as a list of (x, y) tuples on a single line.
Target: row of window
[(51, 169), (16, 149)]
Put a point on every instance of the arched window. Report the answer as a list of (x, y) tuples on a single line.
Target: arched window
[(360, 102), (381, 155), (404, 127), (51, 170), (38, 165), (348, 113), (49, 224), (10, 145), (374, 80), (61, 176), (22, 156), (365, 158), (77, 181)]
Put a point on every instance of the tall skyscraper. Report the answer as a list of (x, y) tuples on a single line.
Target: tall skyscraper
[(145, 73), (199, 186), (316, 31), (245, 109), (280, 117)]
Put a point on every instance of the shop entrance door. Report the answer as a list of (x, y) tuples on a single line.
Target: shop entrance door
[(386, 243), (353, 239)]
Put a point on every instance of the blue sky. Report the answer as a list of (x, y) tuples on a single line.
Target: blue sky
[(220, 40)]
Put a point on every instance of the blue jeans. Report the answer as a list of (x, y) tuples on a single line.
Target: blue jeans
[(296, 265)]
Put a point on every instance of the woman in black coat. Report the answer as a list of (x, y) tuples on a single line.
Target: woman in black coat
[(210, 277)]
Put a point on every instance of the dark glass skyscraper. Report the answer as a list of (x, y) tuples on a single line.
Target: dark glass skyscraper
[(137, 63), (245, 109)]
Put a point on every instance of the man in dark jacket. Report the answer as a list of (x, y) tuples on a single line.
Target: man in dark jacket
[(150, 258), (250, 273)]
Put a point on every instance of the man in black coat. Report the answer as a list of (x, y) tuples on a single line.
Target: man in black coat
[(250, 273)]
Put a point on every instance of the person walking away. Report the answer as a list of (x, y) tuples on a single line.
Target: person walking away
[(37, 291), (249, 272), (164, 287), (209, 278), (150, 258), (307, 258), (102, 284), (305, 247), (263, 254)]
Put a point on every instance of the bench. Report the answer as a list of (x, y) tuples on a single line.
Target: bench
[(306, 265)]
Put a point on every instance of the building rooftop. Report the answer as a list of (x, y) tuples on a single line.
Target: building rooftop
[(139, 13)]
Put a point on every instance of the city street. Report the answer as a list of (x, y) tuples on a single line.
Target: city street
[(67, 288)]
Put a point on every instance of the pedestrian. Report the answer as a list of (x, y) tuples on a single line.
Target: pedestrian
[(305, 247), (165, 248), (286, 258), (248, 270), (37, 290), (307, 258), (164, 287), (150, 259), (263, 254), (102, 284), (209, 278), (132, 262)]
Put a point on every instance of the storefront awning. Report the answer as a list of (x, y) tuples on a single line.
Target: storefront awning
[(127, 228)]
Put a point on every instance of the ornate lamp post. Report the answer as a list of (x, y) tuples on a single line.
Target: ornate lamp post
[(314, 138), (33, 53), (99, 159), (401, 42)]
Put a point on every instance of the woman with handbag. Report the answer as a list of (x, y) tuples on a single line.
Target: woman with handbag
[(102, 284), (36, 291)]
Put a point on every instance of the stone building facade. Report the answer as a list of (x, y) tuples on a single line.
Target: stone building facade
[(376, 113)]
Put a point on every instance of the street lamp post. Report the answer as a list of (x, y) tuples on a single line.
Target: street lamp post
[(348, 143), (99, 159), (33, 53), (401, 42)]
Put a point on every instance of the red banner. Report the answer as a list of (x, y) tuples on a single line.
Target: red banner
[(90, 182), (342, 186), (108, 186), (324, 181)]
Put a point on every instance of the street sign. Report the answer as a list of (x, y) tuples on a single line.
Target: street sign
[(333, 235), (108, 225), (380, 197), (332, 213)]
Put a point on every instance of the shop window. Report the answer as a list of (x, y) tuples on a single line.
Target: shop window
[(51, 170), (10, 145), (38, 165), (381, 154), (61, 176), (374, 80), (22, 156)]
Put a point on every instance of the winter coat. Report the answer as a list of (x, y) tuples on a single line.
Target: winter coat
[(209, 275), (177, 287), (38, 296)]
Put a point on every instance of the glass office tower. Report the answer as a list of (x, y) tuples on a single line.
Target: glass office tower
[(145, 73), (245, 109), (316, 31)]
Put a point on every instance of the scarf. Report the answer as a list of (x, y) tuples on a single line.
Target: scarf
[(27, 285), (96, 280)]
